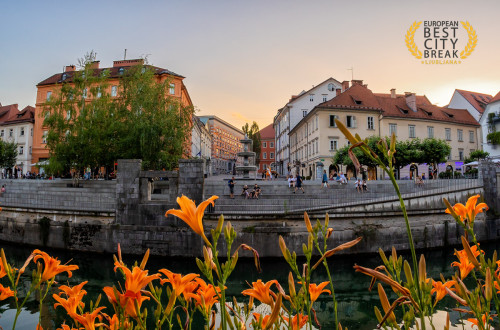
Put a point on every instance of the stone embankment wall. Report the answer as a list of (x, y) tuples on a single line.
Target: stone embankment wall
[(138, 221)]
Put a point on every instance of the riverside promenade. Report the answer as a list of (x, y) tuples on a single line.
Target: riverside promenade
[(131, 211)]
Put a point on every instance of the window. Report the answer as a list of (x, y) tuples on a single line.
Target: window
[(331, 87), (172, 89), (461, 154), (271, 144), (120, 71), (370, 123), (324, 97), (49, 94), (44, 136), (334, 143), (351, 121), (332, 120), (460, 134), (447, 134), (393, 128), (311, 97), (304, 113), (21, 150), (31, 132), (99, 94), (11, 132), (264, 155), (1, 133), (449, 156), (64, 76), (30, 150), (430, 132), (264, 144), (317, 146), (411, 131), (114, 91), (22, 132), (84, 93), (68, 114), (471, 136), (271, 155)]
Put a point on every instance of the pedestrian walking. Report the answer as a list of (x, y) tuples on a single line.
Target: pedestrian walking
[(324, 181), (231, 187)]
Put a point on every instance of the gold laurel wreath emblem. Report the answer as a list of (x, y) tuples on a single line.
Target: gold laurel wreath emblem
[(471, 44), (410, 43)]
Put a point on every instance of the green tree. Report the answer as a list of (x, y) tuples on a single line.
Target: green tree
[(476, 155), (8, 154), (435, 151), (253, 133), (88, 127)]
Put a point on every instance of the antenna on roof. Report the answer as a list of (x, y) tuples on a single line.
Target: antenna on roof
[(125, 54), (352, 72)]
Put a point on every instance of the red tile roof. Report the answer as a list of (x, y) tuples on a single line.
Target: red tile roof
[(477, 100), (267, 132), (359, 97), (113, 73), (495, 98), (10, 114)]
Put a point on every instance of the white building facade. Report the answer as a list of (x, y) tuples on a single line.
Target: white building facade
[(17, 127), (201, 143), (490, 124), (292, 113), (474, 103)]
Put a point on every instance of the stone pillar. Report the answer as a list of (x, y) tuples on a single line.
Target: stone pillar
[(490, 178), (127, 190), (319, 171), (191, 181)]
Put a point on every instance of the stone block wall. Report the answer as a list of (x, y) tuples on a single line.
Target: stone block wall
[(490, 173), (191, 179)]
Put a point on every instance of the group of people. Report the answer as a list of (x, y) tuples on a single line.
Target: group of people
[(334, 176), (296, 183), (246, 192), (360, 185)]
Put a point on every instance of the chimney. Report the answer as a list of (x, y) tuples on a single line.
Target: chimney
[(139, 61), (357, 82), (393, 93), (69, 68), (411, 101), (94, 65), (338, 91), (365, 85), (345, 85)]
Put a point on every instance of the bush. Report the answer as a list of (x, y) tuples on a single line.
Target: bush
[(458, 175)]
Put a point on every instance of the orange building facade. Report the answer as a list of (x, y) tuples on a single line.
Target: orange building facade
[(267, 149), (51, 85)]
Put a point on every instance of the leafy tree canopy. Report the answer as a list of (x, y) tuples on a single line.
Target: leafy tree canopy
[(8, 154)]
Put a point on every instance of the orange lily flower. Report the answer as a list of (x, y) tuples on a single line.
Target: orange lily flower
[(66, 327), (464, 263), (193, 286), (297, 322), (5, 292), (205, 297), (53, 266), (75, 296), (440, 289), (88, 319), (177, 281), (137, 279), (316, 290), (126, 301), (2, 270), (469, 210), (475, 322), (261, 291), (192, 215), (265, 319), (39, 327)]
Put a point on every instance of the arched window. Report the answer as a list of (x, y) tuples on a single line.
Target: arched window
[(331, 87)]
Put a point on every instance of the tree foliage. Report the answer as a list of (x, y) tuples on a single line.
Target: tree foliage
[(89, 127), (8, 154), (253, 132), (476, 155)]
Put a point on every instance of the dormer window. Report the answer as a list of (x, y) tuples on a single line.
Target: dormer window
[(121, 71), (428, 113), (356, 101), (402, 110), (448, 114), (64, 77), (331, 87)]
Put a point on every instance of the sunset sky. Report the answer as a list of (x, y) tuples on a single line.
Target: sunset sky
[(244, 59)]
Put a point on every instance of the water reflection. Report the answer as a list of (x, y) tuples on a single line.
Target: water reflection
[(355, 302)]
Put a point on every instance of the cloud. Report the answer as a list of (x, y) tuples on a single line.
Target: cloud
[(240, 117)]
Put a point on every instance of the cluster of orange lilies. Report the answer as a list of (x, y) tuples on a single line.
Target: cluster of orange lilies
[(183, 296)]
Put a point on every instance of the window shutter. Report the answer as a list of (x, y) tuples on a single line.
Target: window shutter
[(354, 122)]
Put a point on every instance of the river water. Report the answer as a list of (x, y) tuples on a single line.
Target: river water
[(355, 302)]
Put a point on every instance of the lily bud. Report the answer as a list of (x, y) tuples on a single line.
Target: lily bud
[(382, 255), (329, 233), (291, 285), (284, 249), (488, 286), (308, 222), (310, 242), (220, 224), (228, 230), (422, 272), (144, 260), (207, 254), (394, 257), (327, 220), (408, 274)]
